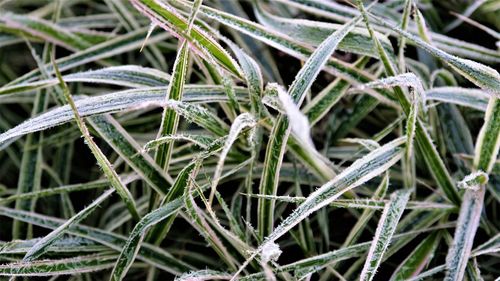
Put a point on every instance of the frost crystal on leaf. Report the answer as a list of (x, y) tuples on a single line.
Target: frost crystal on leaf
[(270, 252), (474, 181)]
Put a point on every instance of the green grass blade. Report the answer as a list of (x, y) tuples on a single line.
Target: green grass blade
[(473, 98), (170, 119), (360, 171), (168, 18), (132, 99), (487, 146), (281, 129), (41, 246), (118, 45), (117, 137), (66, 266), (127, 76), (385, 229), (148, 253), (357, 41), (418, 259), (488, 142), (103, 162), (479, 74), (241, 122)]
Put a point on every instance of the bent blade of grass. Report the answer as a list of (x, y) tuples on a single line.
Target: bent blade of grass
[(65, 266), (168, 18), (244, 120), (436, 165), (479, 74), (41, 246), (357, 41), (385, 230), (129, 100), (343, 13), (486, 151), (283, 43), (103, 162), (281, 130), (362, 170)]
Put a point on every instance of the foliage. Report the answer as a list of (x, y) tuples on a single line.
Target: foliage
[(249, 140)]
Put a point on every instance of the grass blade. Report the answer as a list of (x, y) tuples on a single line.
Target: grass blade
[(100, 157), (385, 229)]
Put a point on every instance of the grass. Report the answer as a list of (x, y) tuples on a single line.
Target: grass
[(249, 140)]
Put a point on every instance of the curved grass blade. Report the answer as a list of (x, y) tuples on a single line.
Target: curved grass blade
[(357, 41), (424, 142), (343, 13), (242, 121), (129, 100), (385, 230), (479, 74)]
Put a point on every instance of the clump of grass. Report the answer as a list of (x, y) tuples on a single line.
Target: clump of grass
[(249, 140)]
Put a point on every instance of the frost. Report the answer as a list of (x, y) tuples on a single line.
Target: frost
[(474, 181), (270, 252), (298, 121)]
